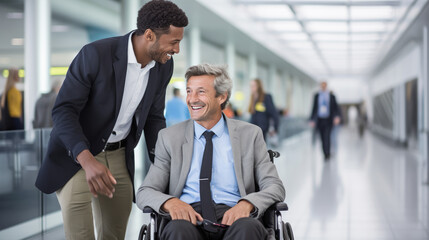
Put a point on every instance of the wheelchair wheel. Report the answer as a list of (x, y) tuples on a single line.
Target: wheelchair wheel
[(287, 232), (147, 236), (143, 232)]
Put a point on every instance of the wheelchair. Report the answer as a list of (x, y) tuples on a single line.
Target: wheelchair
[(272, 219)]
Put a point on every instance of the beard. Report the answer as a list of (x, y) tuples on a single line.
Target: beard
[(156, 54)]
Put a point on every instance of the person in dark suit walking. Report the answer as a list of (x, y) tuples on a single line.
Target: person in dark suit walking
[(324, 115), (262, 109), (114, 89)]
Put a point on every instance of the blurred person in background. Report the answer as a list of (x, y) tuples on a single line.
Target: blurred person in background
[(114, 89), (335, 130), (325, 113), (44, 106), (11, 103), (262, 109), (176, 110), (229, 111)]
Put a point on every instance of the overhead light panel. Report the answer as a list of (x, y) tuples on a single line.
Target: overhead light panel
[(322, 12), (326, 26), (274, 11), (17, 41), (369, 27), (330, 37), (283, 26), (15, 15), (371, 12), (294, 36)]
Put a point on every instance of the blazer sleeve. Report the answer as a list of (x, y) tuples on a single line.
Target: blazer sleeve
[(72, 99), (156, 120), (313, 116), (272, 111), (152, 191), (271, 189), (335, 108)]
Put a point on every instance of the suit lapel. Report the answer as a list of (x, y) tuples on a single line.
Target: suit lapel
[(120, 70), (187, 150), (236, 152)]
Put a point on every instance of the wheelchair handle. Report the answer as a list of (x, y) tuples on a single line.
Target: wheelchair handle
[(273, 154)]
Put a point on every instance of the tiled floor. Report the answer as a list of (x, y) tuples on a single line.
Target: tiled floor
[(370, 189)]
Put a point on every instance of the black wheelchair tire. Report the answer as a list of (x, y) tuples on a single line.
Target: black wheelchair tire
[(143, 232), (287, 231)]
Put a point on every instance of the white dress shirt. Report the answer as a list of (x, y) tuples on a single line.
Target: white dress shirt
[(135, 86)]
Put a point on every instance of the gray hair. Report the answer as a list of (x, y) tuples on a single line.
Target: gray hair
[(222, 81)]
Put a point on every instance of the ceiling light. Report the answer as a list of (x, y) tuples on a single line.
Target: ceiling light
[(369, 27), (59, 28), (326, 26), (294, 36), (15, 15), (332, 45), (330, 37), (371, 12), (17, 41), (283, 26), (321, 12), (277, 11)]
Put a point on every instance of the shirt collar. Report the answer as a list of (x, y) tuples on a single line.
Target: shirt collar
[(218, 129), (132, 56)]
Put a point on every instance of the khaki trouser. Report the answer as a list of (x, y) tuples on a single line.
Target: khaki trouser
[(110, 215)]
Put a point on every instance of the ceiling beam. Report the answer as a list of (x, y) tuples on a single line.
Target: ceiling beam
[(326, 3), (324, 20)]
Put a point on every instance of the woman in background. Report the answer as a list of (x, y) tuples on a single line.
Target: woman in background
[(262, 109), (11, 103)]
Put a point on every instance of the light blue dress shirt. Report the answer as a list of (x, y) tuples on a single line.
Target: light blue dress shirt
[(323, 109), (176, 111), (223, 185)]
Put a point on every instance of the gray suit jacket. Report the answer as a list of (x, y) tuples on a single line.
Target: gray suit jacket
[(173, 155)]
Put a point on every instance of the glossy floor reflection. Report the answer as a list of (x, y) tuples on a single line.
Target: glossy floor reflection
[(368, 190)]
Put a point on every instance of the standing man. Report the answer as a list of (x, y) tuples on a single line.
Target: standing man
[(211, 167), (324, 115), (114, 89), (176, 110)]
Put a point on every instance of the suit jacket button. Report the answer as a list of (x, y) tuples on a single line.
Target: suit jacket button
[(103, 140)]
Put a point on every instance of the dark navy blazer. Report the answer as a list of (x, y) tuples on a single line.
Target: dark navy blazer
[(262, 119), (334, 109), (87, 107)]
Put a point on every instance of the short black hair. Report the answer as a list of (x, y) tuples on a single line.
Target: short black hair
[(158, 15)]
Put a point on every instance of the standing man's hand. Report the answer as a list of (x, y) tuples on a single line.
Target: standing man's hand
[(181, 210), (312, 124), (241, 210), (98, 176), (337, 120)]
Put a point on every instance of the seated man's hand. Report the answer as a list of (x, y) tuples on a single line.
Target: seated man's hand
[(181, 210), (242, 209)]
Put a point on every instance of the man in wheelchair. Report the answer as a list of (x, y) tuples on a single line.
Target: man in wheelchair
[(212, 175)]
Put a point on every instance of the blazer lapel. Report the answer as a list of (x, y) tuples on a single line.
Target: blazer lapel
[(187, 150), (120, 70), (236, 152)]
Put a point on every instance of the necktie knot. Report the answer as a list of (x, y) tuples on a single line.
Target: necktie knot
[(208, 135)]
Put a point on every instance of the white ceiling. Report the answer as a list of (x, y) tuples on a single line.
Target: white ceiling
[(325, 38)]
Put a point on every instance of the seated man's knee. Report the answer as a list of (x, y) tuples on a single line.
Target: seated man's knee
[(180, 229), (246, 228)]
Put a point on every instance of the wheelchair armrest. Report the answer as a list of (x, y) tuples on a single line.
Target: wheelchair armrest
[(281, 206), (148, 210)]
